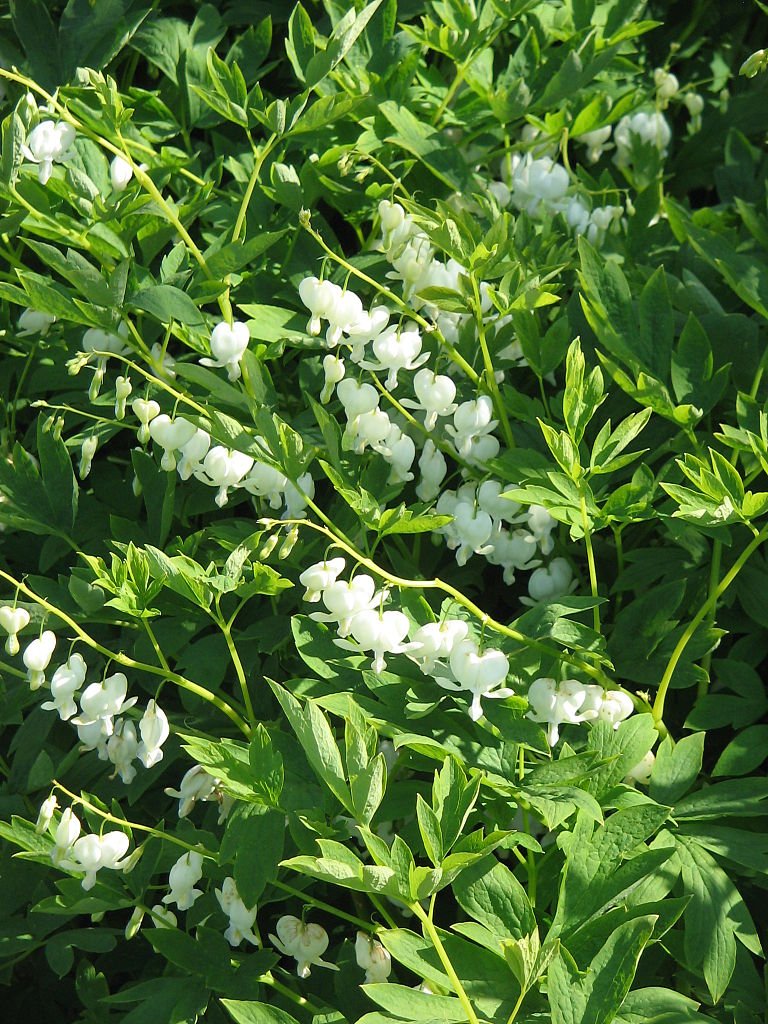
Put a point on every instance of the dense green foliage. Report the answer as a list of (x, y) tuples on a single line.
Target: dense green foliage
[(559, 815)]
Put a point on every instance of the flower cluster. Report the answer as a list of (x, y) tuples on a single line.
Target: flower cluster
[(74, 852), (98, 720), (191, 452), (571, 702)]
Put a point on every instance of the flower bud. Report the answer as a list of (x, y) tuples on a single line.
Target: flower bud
[(122, 391), (87, 452), (120, 173), (36, 657)]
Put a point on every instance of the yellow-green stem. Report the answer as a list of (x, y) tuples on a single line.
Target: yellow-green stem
[(590, 563), (125, 661), (445, 960), (701, 614), (490, 376), (239, 670)]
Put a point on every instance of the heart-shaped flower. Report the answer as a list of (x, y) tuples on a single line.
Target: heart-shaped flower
[(228, 345), (13, 620), (171, 435)]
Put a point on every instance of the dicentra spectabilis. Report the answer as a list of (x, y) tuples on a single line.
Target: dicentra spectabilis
[(87, 452), (123, 389), (435, 641), (471, 421), (228, 345), (319, 297), (171, 435), (154, 730), (92, 853), (319, 576), (333, 369), (538, 184), (37, 656), (556, 704), (66, 833), (196, 785), (550, 582), (94, 735), (306, 943), (344, 599), (185, 873), (224, 469), (265, 481), (435, 394), (32, 321), (667, 86), (163, 917), (192, 454), (13, 620), (120, 173), (481, 674), (365, 330), (122, 747), (541, 524), (45, 815), (145, 411), (48, 143), (395, 350), (379, 632), (241, 918), (103, 701), (96, 339), (433, 468), (642, 771), (596, 142), (373, 958), (65, 682)]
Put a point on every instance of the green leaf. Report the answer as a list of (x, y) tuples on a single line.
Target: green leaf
[(166, 303), (677, 767), (36, 32), (715, 917), (415, 1006), (744, 753), (247, 1012), (491, 894), (300, 44), (596, 997), (427, 144), (253, 839), (57, 473), (316, 738), (267, 767)]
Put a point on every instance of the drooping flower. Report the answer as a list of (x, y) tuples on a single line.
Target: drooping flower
[(481, 674), (65, 835), (120, 173), (316, 578), (228, 345), (32, 321), (556, 704), (92, 853), (154, 731), (13, 620), (306, 943), (122, 747), (48, 143), (185, 873), (37, 656), (379, 632), (373, 958), (196, 785), (65, 682), (241, 918)]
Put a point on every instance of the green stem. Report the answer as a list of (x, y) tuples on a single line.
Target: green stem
[(445, 960), (278, 986), (437, 584), (133, 825), (490, 376), (124, 660), (239, 670), (590, 562), (327, 907), (516, 1007), (450, 92), (701, 614)]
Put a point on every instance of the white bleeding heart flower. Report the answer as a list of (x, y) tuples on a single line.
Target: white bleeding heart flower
[(365, 330), (266, 482), (316, 578), (345, 599), (435, 641), (32, 321), (65, 682), (92, 853), (96, 339), (193, 453), (306, 943), (436, 393), (45, 816), (228, 345), (48, 143), (642, 771), (556, 704), (357, 398), (481, 674), (434, 469), (541, 524), (550, 582), (333, 369), (120, 173), (13, 620), (319, 297), (122, 747), (241, 918), (374, 959), (196, 785), (37, 656), (185, 873), (66, 833), (145, 410), (379, 632), (224, 469), (471, 421), (171, 435), (154, 730), (104, 700), (397, 350)]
